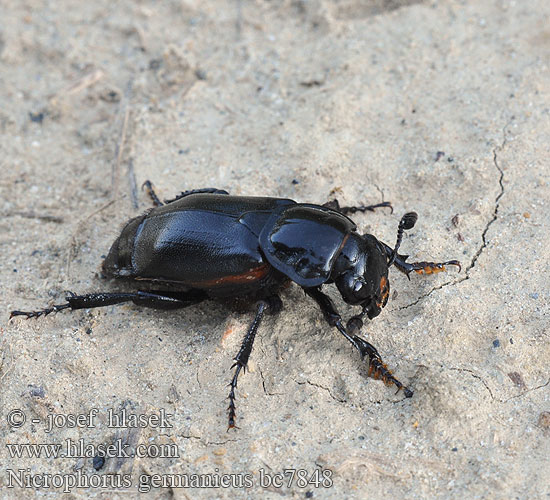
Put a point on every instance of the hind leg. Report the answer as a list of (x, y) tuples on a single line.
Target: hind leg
[(148, 185), (151, 192), (197, 191), (154, 299)]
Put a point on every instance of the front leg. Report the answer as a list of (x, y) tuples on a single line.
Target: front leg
[(419, 267), (377, 368)]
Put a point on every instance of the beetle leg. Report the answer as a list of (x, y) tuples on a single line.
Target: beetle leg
[(419, 267), (335, 205), (428, 267), (329, 311), (197, 191), (377, 369), (151, 192), (241, 359), (157, 300)]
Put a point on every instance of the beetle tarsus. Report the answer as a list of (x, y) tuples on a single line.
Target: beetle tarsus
[(408, 393), (42, 312), (196, 191), (151, 192), (419, 267), (428, 267), (335, 205), (241, 359), (434, 267), (377, 368)]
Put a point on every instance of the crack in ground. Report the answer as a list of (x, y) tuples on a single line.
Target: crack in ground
[(486, 229), (206, 442), (475, 375), (495, 213), (184, 436), (266, 392), (319, 386), (430, 292), (525, 392), (220, 443), (380, 191)]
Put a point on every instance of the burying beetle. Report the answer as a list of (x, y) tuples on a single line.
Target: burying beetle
[(205, 244)]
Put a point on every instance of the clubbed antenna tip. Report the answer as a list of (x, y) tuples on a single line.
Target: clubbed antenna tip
[(407, 222)]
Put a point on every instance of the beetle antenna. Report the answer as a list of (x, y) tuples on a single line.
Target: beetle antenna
[(407, 222)]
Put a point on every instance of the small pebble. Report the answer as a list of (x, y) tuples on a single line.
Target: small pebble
[(154, 64), (37, 392), (517, 379), (98, 462), (496, 343), (36, 117), (544, 420), (200, 74)]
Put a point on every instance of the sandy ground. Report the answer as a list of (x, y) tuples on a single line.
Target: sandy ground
[(442, 107)]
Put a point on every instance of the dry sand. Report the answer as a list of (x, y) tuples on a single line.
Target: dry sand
[(442, 107)]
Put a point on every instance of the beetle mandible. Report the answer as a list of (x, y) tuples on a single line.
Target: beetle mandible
[(205, 244)]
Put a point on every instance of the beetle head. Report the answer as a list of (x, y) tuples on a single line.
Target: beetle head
[(361, 273), (361, 270)]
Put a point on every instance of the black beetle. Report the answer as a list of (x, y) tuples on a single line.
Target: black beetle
[(206, 244)]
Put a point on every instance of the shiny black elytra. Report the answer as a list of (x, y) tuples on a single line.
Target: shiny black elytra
[(205, 244)]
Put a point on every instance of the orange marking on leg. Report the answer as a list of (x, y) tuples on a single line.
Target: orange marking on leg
[(430, 270)]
